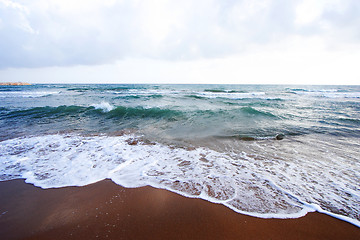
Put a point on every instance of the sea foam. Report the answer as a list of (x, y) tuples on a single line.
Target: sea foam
[(105, 106), (27, 94), (242, 181), (232, 95), (327, 93)]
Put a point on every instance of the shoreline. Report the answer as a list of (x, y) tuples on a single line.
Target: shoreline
[(104, 210)]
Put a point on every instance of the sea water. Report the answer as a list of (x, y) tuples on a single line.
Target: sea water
[(266, 151)]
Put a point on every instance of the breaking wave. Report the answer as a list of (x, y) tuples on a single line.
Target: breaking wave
[(245, 182)]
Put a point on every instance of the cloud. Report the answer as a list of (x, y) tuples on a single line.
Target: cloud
[(43, 33)]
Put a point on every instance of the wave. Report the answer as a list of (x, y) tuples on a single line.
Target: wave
[(155, 96), (253, 112), (344, 125), (140, 112), (247, 182), (311, 90), (27, 94), (129, 96), (233, 115), (349, 120), (326, 93), (80, 89), (39, 112), (235, 95), (240, 96), (139, 96), (99, 88), (195, 96), (223, 91), (103, 108), (122, 111)]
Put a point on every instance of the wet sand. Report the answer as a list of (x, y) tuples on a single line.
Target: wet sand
[(105, 210)]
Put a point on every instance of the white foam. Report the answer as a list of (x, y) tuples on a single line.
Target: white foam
[(247, 182), (105, 106), (27, 94), (232, 95), (149, 92), (330, 94)]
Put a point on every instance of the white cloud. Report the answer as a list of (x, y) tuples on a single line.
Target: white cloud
[(186, 35), (264, 65), (16, 15), (308, 11), (14, 5)]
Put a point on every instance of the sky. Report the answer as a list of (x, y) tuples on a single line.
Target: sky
[(187, 41)]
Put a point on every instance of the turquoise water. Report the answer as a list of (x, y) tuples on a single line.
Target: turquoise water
[(262, 150), (181, 111)]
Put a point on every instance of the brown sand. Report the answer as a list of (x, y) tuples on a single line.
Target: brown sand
[(107, 211)]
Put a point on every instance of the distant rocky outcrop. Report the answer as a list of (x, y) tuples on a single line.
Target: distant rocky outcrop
[(14, 83)]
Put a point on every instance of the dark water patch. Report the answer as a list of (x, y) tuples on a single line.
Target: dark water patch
[(155, 96), (342, 121), (263, 103), (118, 90), (215, 90), (350, 120), (231, 103), (223, 91), (253, 112), (39, 112), (140, 112), (291, 92), (9, 89), (297, 90), (276, 99), (2, 109), (141, 97), (80, 89), (115, 88), (195, 97), (344, 132), (246, 112)]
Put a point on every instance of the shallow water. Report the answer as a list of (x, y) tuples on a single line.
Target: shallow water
[(216, 142)]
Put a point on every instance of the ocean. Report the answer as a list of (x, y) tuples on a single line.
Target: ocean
[(270, 151)]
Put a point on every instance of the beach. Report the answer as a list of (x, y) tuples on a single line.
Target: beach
[(179, 120), (179, 161), (105, 210)]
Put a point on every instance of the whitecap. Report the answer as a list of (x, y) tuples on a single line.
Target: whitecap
[(105, 106), (27, 94)]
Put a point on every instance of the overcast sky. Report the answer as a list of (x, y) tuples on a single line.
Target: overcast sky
[(187, 41)]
